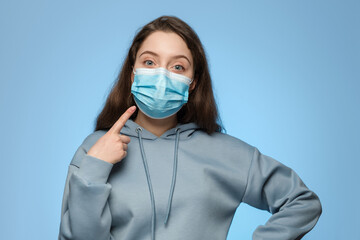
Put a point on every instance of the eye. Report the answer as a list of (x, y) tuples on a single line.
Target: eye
[(179, 68), (149, 63)]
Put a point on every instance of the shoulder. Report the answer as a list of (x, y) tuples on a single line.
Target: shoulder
[(229, 140), (227, 143), (87, 143)]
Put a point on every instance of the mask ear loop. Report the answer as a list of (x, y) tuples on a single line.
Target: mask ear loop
[(192, 79)]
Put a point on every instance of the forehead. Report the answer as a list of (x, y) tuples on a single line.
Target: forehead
[(165, 44)]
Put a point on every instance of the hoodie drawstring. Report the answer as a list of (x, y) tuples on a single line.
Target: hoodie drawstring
[(174, 174), (139, 130)]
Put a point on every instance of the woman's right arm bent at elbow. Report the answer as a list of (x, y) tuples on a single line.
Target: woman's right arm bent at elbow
[(85, 212)]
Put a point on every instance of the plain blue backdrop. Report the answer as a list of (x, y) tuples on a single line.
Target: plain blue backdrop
[(286, 79)]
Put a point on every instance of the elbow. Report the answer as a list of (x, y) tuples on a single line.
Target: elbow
[(311, 206), (314, 205), (318, 206), (314, 209)]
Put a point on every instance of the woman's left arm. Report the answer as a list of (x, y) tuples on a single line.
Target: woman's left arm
[(276, 188)]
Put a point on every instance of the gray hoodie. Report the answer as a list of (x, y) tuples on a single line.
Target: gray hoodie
[(185, 184)]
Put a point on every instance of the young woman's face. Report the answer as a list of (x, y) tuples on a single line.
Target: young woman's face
[(167, 50)]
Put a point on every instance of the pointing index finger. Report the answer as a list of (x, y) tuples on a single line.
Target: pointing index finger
[(119, 124)]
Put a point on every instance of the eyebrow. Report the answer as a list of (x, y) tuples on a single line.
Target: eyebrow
[(157, 55)]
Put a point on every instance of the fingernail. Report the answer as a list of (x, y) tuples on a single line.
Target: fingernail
[(132, 108)]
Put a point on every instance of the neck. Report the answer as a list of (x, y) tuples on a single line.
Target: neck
[(156, 126)]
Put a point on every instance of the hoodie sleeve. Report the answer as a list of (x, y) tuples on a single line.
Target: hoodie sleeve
[(85, 212), (276, 188)]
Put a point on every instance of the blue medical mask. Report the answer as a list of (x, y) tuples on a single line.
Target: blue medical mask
[(158, 92)]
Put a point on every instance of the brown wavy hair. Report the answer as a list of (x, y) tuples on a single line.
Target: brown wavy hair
[(200, 108)]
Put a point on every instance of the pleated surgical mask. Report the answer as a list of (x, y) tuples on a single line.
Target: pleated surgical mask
[(158, 92)]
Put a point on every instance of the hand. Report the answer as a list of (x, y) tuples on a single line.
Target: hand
[(112, 146)]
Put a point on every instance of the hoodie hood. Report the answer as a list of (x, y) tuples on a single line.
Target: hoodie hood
[(181, 131), (185, 130)]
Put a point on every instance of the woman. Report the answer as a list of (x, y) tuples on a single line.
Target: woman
[(158, 165)]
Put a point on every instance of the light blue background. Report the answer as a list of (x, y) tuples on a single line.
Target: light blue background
[(286, 78)]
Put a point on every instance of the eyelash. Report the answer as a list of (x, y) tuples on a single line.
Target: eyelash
[(152, 63), (146, 61), (182, 68)]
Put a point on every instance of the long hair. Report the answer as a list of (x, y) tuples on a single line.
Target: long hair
[(200, 108)]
